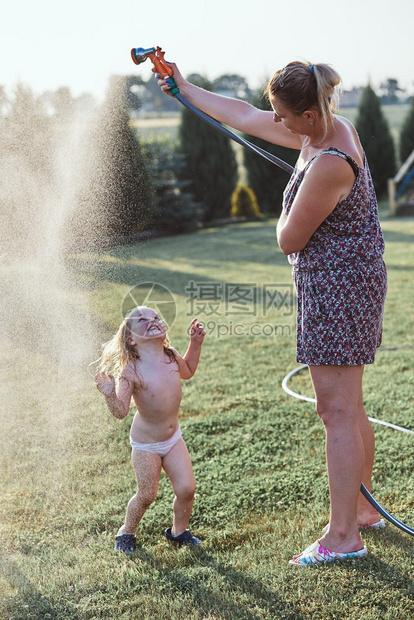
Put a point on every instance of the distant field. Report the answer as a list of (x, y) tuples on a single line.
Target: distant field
[(167, 127), (394, 114), (157, 128)]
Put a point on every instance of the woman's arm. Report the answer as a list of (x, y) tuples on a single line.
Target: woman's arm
[(327, 181), (234, 112)]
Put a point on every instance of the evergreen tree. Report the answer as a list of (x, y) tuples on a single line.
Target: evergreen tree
[(28, 171), (267, 180), (175, 210), (407, 134), (210, 163), (117, 197), (376, 140)]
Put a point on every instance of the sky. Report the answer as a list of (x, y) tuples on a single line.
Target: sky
[(47, 44)]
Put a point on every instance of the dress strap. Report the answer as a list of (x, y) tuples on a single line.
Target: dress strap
[(334, 151)]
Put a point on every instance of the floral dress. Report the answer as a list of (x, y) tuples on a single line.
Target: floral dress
[(340, 276)]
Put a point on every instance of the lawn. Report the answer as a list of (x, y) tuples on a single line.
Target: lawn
[(258, 454)]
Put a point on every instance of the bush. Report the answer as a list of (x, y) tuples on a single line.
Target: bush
[(244, 202)]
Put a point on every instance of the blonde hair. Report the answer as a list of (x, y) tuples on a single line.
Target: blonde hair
[(118, 352), (302, 86)]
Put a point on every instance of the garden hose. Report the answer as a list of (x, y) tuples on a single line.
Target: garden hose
[(165, 71), (224, 130), (313, 400)]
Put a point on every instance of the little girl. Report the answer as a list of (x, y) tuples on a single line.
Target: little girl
[(149, 371)]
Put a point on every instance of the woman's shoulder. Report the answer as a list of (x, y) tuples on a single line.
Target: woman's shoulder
[(345, 120), (347, 140)]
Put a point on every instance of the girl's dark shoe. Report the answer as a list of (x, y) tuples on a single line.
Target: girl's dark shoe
[(186, 538), (125, 543)]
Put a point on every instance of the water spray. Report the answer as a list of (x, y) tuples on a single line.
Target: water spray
[(165, 71)]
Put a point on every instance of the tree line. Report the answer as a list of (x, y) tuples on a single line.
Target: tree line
[(122, 185)]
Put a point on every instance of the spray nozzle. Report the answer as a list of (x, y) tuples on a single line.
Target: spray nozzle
[(140, 54), (156, 55)]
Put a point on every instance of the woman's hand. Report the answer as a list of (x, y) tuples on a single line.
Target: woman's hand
[(177, 77), (105, 383)]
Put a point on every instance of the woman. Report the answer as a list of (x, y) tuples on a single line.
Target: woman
[(330, 230)]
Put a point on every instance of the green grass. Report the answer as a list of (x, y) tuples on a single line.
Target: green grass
[(258, 455)]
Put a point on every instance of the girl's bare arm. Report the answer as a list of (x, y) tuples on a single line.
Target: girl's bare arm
[(117, 403), (188, 364)]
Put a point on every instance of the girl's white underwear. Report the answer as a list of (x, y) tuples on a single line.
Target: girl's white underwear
[(162, 447)]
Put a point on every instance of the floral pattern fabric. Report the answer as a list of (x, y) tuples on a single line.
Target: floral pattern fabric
[(340, 277)]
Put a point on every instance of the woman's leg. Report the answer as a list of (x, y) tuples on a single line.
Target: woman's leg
[(338, 391), (147, 467), (365, 512), (178, 467)]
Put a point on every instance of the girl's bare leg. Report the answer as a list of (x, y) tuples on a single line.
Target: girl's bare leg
[(147, 467), (178, 467), (338, 390)]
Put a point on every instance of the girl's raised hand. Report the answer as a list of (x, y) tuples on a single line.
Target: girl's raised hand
[(197, 331), (105, 383)]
